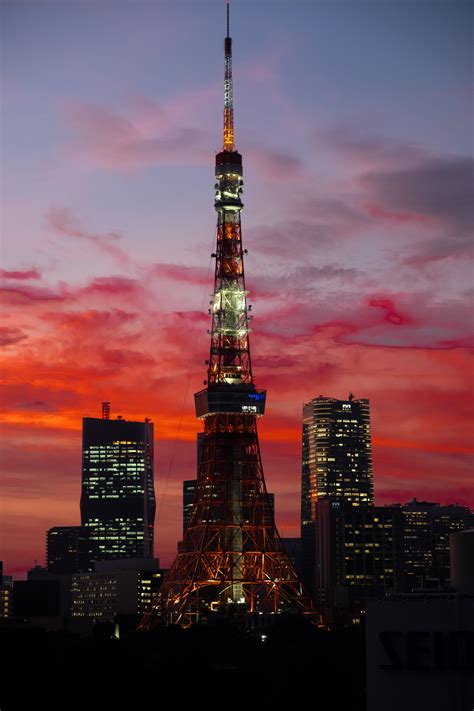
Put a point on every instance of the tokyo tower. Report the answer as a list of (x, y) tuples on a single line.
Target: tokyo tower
[(231, 559)]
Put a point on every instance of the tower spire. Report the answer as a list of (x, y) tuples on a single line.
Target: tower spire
[(228, 92)]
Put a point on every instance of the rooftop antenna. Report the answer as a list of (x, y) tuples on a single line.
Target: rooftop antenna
[(106, 410), (228, 8)]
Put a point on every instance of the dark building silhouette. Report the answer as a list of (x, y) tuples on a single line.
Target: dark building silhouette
[(270, 512), (189, 492), (5, 595), (293, 550), (427, 526), (461, 561), (37, 598), (67, 549), (118, 499), (43, 599)]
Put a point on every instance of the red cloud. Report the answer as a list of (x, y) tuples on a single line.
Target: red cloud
[(112, 285), (26, 274), (406, 422), (10, 336), (391, 315), (22, 294)]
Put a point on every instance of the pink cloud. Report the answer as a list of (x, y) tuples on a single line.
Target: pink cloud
[(147, 133), (181, 273), (107, 139), (379, 212), (364, 148), (63, 222), (274, 164)]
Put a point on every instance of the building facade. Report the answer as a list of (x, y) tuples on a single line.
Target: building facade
[(117, 587), (419, 652), (359, 555), (118, 498), (67, 549), (427, 527)]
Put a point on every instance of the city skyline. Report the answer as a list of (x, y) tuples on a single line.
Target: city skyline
[(352, 229)]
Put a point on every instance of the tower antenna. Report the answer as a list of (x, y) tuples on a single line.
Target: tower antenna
[(228, 92)]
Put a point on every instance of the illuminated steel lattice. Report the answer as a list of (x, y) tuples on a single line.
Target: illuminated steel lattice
[(231, 557)]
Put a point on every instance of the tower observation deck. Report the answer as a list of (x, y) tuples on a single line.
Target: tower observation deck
[(231, 559)]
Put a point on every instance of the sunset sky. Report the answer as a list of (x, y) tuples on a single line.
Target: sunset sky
[(354, 121)]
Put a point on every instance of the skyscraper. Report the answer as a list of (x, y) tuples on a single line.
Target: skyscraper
[(336, 465), (337, 453), (118, 498)]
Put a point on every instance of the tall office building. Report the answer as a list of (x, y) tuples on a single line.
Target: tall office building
[(118, 498)]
